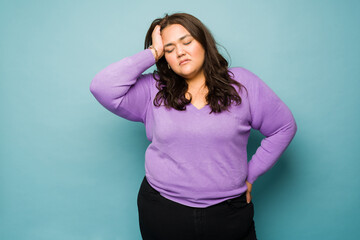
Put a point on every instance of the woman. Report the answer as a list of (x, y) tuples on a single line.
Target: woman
[(198, 114)]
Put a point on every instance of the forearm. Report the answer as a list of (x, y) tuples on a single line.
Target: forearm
[(113, 82), (271, 148)]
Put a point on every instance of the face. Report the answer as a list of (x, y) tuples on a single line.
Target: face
[(184, 54)]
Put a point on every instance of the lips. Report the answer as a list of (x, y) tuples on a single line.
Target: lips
[(184, 61)]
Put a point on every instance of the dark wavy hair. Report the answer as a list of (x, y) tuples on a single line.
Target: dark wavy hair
[(172, 87)]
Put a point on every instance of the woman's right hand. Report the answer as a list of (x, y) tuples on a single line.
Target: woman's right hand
[(157, 42)]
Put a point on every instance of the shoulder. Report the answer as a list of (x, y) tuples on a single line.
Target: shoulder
[(148, 76), (148, 80), (243, 75)]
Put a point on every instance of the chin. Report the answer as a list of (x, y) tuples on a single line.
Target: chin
[(187, 73)]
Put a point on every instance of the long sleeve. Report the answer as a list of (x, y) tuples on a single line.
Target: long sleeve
[(123, 89), (274, 120)]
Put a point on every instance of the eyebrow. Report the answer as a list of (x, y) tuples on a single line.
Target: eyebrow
[(187, 35)]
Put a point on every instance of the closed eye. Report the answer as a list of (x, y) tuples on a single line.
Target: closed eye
[(169, 51)]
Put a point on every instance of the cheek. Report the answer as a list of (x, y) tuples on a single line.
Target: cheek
[(198, 52), (170, 59)]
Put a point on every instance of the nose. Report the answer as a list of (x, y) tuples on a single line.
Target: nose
[(179, 51)]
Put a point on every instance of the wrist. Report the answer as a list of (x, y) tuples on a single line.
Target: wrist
[(154, 52)]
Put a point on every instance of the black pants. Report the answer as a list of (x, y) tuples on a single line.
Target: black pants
[(163, 219)]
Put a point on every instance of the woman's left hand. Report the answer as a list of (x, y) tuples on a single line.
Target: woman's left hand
[(248, 192)]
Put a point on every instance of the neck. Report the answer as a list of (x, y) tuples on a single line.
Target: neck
[(196, 82)]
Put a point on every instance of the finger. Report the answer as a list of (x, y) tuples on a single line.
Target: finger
[(156, 30), (248, 197)]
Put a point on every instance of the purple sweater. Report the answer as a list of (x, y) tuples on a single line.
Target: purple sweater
[(196, 158)]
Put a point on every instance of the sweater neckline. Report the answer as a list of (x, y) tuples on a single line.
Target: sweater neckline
[(192, 106)]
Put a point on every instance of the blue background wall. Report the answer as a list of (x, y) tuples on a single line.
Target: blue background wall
[(70, 169)]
